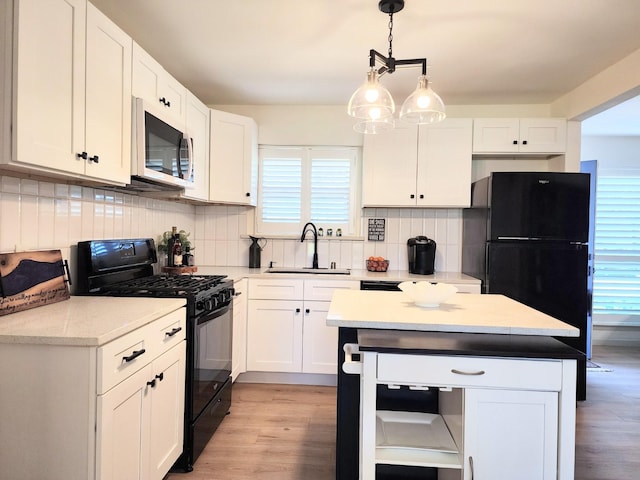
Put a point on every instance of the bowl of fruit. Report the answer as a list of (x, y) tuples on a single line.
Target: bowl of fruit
[(377, 264)]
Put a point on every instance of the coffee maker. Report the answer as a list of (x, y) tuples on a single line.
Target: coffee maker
[(422, 255)]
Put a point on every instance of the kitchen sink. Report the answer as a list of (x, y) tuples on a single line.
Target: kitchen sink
[(305, 270)]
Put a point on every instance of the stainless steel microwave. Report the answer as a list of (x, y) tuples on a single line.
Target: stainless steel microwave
[(162, 148)]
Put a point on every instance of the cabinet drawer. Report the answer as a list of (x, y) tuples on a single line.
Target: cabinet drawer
[(276, 289), (168, 331), (322, 290), (124, 356), (461, 371)]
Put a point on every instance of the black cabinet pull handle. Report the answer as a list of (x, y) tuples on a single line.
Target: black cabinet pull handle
[(83, 155), (173, 332), (248, 194), (524, 142), (412, 196), (134, 355), (95, 158), (152, 383), (515, 142), (307, 310), (421, 196), (160, 376), (297, 310), (163, 101)]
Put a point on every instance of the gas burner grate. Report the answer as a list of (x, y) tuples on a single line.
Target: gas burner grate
[(166, 285)]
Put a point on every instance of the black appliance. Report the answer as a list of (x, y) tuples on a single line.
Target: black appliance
[(421, 255), (526, 237), (125, 268)]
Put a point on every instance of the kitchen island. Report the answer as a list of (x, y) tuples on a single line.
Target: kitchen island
[(483, 366)]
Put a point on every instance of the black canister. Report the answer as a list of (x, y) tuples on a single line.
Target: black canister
[(254, 251), (422, 255)]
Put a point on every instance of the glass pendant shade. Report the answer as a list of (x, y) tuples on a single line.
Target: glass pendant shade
[(423, 105), (371, 102), (375, 126)]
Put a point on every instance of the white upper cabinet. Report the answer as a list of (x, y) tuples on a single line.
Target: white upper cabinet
[(153, 83), (66, 87), (233, 159), (198, 130), (525, 135), (429, 166)]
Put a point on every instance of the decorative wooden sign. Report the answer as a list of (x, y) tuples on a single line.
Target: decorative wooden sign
[(31, 279), (376, 229)]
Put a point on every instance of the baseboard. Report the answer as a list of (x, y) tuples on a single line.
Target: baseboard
[(289, 378), (615, 336)]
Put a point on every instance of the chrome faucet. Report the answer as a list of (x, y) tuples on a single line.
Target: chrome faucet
[(310, 226)]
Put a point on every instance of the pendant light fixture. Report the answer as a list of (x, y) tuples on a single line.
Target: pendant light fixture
[(373, 105)]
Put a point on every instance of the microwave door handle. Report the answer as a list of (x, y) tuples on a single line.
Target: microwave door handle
[(190, 148)]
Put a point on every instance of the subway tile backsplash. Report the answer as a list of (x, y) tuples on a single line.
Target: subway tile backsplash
[(37, 215)]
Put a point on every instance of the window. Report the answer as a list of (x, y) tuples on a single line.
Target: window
[(616, 283), (307, 184)]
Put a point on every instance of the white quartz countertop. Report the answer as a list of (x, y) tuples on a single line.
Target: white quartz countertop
[(236, 273), (84, 321), (463, 313)]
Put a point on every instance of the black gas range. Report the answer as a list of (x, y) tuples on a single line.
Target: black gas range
[(126, 268)]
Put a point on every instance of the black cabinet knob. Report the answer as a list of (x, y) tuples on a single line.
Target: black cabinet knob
[(515, 142), (421, 196), (152, 383), (297, 310), (524, 142), (95, 159), (412, 196), (160, 376), (307, 311), (82, 155), (248, 194)]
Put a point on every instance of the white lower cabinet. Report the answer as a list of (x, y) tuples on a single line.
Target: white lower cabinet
[(110, 412), (510, 434), (286, 328), (489, 425), (239, 349)]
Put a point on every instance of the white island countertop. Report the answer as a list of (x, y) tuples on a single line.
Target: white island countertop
[(84, 321), (463, 313)]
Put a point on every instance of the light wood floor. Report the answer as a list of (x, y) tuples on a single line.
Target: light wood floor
[(284, 432)]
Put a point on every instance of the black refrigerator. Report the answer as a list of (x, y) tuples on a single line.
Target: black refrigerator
[(526, 237)]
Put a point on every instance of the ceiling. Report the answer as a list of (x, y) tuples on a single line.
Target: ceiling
[(292, 52)]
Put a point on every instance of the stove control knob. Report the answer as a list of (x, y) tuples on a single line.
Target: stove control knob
[(209, 304), (199, 305)]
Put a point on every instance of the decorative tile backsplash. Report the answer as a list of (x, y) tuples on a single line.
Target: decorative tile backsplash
[(41, 215)]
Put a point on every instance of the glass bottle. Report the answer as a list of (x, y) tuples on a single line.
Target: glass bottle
[(177, 251), (170, 242)]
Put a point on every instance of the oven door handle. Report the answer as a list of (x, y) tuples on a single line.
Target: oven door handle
[(214, 314)]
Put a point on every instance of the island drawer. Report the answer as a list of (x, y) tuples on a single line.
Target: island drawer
[(465, 371)]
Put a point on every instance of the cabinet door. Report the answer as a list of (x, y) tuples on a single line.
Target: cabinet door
[(496, 135), (166, 411), (122, 449), (543, 135), (319, 341), (389, 167), (444, 163), (108, 99), (239, 353), (48, 128), (198, 129), (274, 336), (510, 434), (152, 82), (233, 159)]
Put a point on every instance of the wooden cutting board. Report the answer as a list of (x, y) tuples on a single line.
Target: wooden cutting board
[(31, 279)]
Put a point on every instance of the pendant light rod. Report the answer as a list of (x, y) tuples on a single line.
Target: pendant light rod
[(390, 63)]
